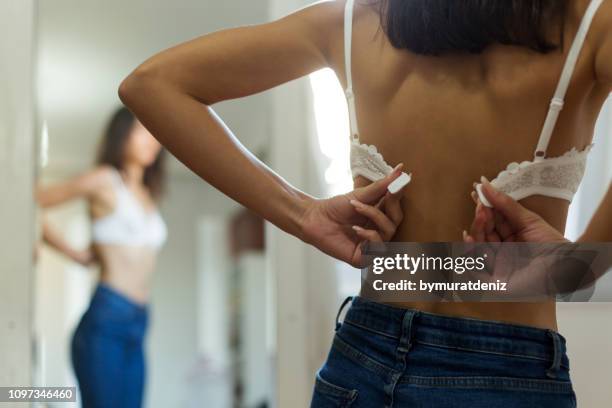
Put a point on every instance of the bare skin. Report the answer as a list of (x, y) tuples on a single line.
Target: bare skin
[(449, 119), (127, 269)]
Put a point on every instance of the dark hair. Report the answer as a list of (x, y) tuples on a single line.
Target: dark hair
[(111, 151), (435, 27)]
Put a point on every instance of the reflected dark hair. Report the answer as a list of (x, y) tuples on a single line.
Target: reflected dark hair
[(112, 147), (435, 27)]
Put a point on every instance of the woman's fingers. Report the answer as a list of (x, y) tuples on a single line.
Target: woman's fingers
[(368, 235), (484, 225), (503, 227), (379, 218), (385, 215), (373, 192), (477, 231), (491, 234), (393, 208), (467, 237), (474, 196)]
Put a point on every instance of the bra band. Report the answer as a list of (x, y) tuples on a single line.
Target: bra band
[(566, 75), (556, 105), (348, 44)]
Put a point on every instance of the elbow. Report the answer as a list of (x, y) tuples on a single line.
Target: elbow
[(138, 84), (125, 89)]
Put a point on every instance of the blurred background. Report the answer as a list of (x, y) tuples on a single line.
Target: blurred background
[(242, 314)]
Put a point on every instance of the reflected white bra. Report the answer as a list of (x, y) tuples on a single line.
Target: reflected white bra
[(557, 177), (130, 224)]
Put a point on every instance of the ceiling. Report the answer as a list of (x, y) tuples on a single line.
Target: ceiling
[(86, 47)]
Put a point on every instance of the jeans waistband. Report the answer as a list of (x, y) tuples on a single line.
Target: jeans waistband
[(113, 300), (459, 332)]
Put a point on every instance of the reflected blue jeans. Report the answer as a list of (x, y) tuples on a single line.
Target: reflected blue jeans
[(107, 351), (384, 356)]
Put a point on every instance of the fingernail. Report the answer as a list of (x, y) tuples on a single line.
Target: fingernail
[(464, 235), (487, 183), (357, 228), (398, 167)]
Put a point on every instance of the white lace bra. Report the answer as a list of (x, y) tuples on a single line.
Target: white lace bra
[(130, 224), (557, 177)]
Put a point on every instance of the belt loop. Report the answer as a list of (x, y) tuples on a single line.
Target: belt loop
[(557, 353), (405, 343), (346, 301)]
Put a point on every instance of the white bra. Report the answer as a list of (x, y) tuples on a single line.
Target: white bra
[(557, 177), (130, 224)]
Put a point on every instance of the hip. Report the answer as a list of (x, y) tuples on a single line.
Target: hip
[(112, 313)]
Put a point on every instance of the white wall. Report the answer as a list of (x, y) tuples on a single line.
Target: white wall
[(305, 279), (173, 348), (17, 168)]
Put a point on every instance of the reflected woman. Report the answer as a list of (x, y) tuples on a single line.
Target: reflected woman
[(122, 191)]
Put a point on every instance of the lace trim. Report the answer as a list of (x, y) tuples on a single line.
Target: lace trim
[(366, 161), (515, 167), (556, 177)]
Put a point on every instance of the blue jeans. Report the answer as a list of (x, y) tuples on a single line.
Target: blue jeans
[(384, 356), (107, 351)]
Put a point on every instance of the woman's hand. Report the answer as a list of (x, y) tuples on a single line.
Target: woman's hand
[(507, 221), (338, 225), (85, 257)]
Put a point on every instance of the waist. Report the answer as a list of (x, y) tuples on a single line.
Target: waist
[(112, 314), (461, 333), (114, 301), (123, 257), (541, 315)]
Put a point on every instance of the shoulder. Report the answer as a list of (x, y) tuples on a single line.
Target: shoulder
[(98, 179), (321, 22), (325, 18), (102, 173), (602, 21), (325, 22), (602, 42)]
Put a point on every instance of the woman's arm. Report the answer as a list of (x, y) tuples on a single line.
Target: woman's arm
[(171, 93), (56, 241), (600, 227), (82, 186), (603, 58)]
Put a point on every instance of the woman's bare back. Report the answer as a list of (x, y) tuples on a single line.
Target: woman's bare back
[(453, 118), (449, 119)]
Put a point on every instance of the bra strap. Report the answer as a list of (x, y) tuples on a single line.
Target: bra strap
[(348, 44), (556, 105)]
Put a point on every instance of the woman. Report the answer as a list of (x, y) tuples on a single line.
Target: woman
[(127, 232), (455, 90)]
